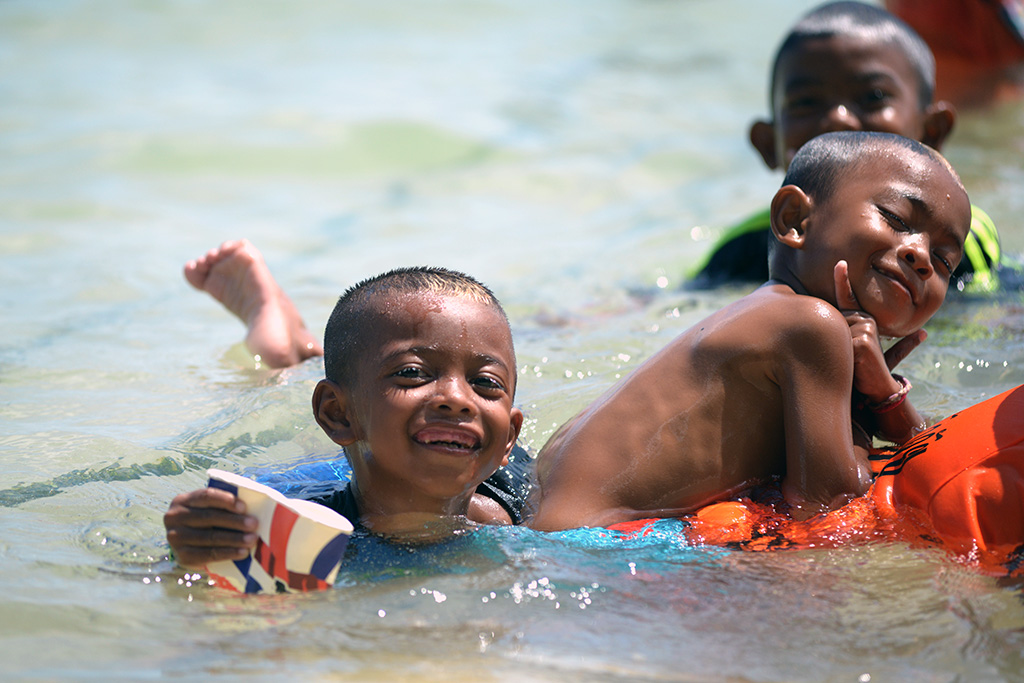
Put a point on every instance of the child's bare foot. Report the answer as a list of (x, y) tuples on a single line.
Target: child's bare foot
[(236, 275)]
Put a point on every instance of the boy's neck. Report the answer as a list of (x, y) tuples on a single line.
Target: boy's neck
[(793, 283)]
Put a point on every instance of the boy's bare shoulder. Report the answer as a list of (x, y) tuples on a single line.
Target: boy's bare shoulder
[(797, 317), (806, 338)]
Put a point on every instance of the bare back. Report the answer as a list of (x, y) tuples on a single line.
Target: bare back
[(760, 388)]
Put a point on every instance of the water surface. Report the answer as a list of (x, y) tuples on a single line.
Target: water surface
[(577, 157)]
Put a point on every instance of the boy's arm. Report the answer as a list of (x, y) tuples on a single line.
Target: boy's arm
[(484, 510), (890, 417), (207, 525), (824, 469)]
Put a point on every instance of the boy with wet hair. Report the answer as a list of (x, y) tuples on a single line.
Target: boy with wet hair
[(847, 66), (419, 388), (868, 229)]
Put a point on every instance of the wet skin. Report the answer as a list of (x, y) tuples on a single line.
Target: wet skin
[(763, 388), (900, 226), (429, 415)]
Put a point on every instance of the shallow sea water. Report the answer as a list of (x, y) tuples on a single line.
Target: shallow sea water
[(577, 157)]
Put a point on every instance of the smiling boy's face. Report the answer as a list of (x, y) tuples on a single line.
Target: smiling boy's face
[(899, 220), (431, 408), (843, 83)]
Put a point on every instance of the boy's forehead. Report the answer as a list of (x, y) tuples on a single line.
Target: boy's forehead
[(454, 314), (920, 162), (886, 165), (858, 55), (422, 303), (918, 177)]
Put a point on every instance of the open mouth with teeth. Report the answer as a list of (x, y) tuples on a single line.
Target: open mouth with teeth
[(447, 439)]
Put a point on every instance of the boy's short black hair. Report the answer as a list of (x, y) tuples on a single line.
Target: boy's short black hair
[(352, 315), (820, 164), (860, 19)]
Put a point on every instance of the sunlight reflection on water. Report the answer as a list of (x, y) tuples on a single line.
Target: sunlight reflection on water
[(577, 158)]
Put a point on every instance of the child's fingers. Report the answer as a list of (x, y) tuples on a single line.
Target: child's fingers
[(901, 349), (207, 525), (845, 298), (209, 518), (196, 547), (211, 539), (207, 509), (210, 498)]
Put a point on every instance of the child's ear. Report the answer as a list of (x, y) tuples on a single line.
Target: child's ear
[(331, 410), (762, 137), (939, 119), (514, 427), (790, 209)]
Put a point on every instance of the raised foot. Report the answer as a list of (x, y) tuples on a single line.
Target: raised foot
[(236, 275)]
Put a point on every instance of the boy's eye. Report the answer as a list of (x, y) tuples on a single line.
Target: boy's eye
[(411, 373), (488, 384), (948, 258), (945, 262), (894, 221), (875, 99), (803, 103)]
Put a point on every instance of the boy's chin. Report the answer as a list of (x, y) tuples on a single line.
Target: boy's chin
[(896, 327), (897, 331)]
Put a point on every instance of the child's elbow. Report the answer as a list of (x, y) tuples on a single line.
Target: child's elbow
[(802, 507)]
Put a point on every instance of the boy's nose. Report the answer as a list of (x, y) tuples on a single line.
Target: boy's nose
[(839, 117), (453, 394), (915, 252)]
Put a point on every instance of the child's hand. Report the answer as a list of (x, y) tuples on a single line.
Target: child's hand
[(872, 369), (207, 525)]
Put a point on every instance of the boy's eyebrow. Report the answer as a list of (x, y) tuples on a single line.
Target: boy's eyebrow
[(916, 201), (872, 76), (799, 82), (897, 189), (802, 81), (491, 360), (486, 358)]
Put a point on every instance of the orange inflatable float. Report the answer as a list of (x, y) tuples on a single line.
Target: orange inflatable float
[(958, 485)]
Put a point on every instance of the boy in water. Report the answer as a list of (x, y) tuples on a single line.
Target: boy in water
[(868, 228), (847, 66), (419, 387)]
